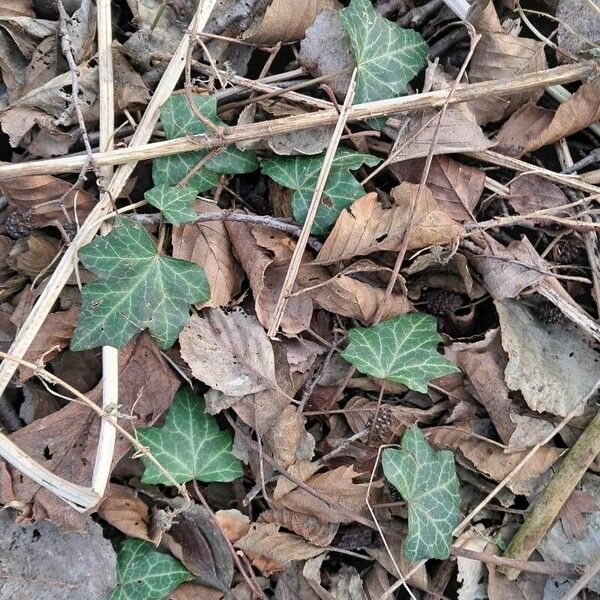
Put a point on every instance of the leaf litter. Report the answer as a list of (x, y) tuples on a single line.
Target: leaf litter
[(437, 358)]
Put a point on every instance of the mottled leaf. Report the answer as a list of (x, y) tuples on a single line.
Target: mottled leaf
[(402, 349), (427, 481), (146, 574), (387, 56), (138, 289), (189, 445), (300, 173)]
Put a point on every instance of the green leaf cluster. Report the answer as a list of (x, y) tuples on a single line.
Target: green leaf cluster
[(300, 173), (427, 481), (179, 119)]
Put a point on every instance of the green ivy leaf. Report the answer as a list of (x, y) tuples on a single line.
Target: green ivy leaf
[(146, 574), (178, 120), (189, 445), (138, 289), (427, 481), (402, 349), (300, 173), (175, 203), (387, 56)]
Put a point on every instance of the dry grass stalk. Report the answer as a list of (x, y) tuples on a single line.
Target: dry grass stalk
[(359, 112)]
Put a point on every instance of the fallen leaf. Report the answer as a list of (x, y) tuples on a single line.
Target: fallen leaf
[(521, 128), (489, 458), (282, 23), (312, 529), (264, 255), (288, 438), (456, 187), (233, 524), (471, 572), (33, 254), (554, 368), (270, 550), (571, 514), (208, 245), (578, 25), (292, 585), (367, 227), (66, 441), (530, 192), (47, 562), (229, 352), (124, 510)]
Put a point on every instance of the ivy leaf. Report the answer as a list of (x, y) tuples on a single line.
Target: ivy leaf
[(189, 445), (178, 120), (175, 203), (146, 574), (402, 349), (138, 289), (427, 481), (387, 56), (300, 173)]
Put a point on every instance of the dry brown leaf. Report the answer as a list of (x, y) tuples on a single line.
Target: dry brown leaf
[(54, 335), (337, 486), (456, 187), (33, 254), (502, 56), (524, 125), (346, 295), (458, 131), (270, 550), (194, 591), (367, 227), (530, 192), (16, 8), (122, 509), (229, 352), (489, 458), (40, 196), (65, 441), (571, 514), (470, 572), (553, 367), (529, 586), (578, 25), (288, 438), (313, 530), (208, 245), (264, 255), (233, 524), (282, 22)]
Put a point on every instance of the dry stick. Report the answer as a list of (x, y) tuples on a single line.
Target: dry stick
[(110, 356), (79, 497), (557, 492), (462, 526), (359, 112), (296, 259), (89, 228)]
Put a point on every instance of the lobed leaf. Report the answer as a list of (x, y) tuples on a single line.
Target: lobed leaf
[(402, 349), (427, 481), (189, 445)]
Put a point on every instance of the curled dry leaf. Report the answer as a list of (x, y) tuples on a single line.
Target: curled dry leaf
[(456, 187), (288, 438), (208, 245), (281, 22), (229, 352), (367, 227), (122, 509), (313, 530), (489, 458), (271, 550), (264, 255), (233, 524), (553, 367), (66, 441)]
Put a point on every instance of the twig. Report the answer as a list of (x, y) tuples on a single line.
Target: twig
[(359, 112), (110, 356), (590, 572), (548, 505), (296, 259), (63, 271)]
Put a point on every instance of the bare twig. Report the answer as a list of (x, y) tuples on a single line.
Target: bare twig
[(296, 259)]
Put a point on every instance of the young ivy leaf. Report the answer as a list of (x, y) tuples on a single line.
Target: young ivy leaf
[(178, 120), (387, 56), (300, 173), (402, 349), (138, 289), (146, 574), (427, 481), (189, 445)]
